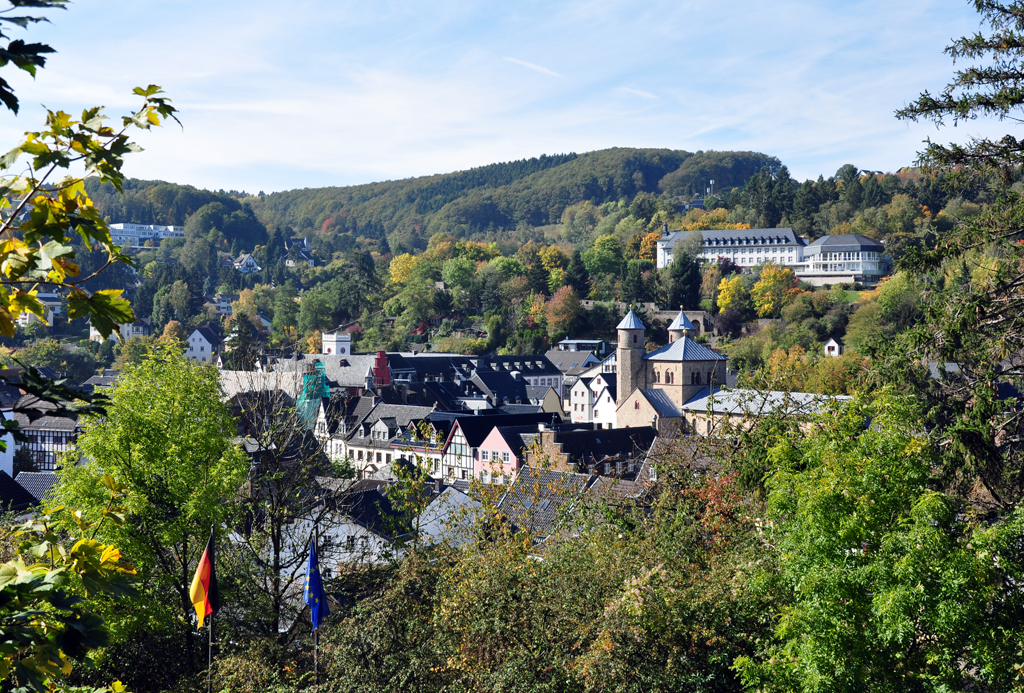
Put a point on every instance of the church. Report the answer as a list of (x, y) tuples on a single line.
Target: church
[(659, 383)]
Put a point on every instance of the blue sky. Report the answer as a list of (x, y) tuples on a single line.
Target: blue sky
[(310, 93)]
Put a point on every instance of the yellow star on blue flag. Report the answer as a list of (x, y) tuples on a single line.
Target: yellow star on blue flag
[(313, 591)]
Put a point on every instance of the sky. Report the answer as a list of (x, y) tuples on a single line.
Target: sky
[(309, 93)]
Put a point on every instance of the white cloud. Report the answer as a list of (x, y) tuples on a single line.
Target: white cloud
[(536, 68), (339, 92)]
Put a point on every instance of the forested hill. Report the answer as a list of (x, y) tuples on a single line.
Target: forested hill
[(502, 196), (401, 215)]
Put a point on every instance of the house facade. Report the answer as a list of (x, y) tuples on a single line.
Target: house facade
[(204, 345)]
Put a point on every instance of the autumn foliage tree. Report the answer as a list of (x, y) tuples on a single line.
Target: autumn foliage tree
[(564, 311), (776, 288)]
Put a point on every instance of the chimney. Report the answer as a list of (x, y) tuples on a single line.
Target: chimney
[(664, 229)]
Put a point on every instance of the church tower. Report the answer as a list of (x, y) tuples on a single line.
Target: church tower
[(681, 327), (630, 355)]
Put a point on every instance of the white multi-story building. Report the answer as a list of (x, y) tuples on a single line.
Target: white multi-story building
[(136, 235), (745, 247), (841, 259)]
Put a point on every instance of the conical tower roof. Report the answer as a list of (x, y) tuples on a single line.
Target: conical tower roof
[(630, 322), (681, 323)]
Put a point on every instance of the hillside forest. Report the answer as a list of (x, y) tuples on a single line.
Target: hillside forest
[(514, 256)]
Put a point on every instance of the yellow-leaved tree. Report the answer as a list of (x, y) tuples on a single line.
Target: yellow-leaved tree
[(731, 292), (775, 290)]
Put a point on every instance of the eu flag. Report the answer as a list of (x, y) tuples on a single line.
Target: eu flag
[(314, 590)]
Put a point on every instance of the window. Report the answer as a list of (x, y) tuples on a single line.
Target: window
[(378, 457), (636, 405), (451, 471), (350, 543), (387, 458), (485, 455), (483, 476), (463, 473), (607, 468), (360, 455), (505, 457)]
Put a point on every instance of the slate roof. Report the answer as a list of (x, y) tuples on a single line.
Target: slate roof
[(681, 323), (397, 416), (537, 393), (38, 484), (630, 322), (684, 349), (342, 370), (572, 362), (209, 334), (845, 243), (755, 402), (533, 500), (661, 403), (737, 237), (476, 428), (590, 446), (101, 381), (12, 495)]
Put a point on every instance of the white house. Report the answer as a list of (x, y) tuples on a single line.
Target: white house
[(246, 264), (593, 400), (203, 345), (833, 348)]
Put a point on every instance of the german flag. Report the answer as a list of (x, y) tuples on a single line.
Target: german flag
[(204, 595)]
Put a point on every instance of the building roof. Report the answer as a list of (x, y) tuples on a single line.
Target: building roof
[(37, 483), (737, 237), (661, 403), (532, 502), (572, 362), (845, 243), (209, 334), (630, 322), (681, 323), (684, 349), (101, 381), (477, 428), (12, 495), (589, 446), (536, 393), (756, 402), (348, 370)]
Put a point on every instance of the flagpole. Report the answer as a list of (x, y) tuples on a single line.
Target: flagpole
[(209, 659), (316, 631), (209, 645)]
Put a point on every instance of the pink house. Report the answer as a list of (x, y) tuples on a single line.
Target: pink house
[(502, 453)]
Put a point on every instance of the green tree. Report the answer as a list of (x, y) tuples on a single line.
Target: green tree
[(605, 258), (576, 274), (683, 282), (168, 438), (893, 587), (75, 363)]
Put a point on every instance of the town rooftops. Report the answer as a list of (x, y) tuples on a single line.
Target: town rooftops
[(846, 243), (684, 349), (630, 322), (533, 500)]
